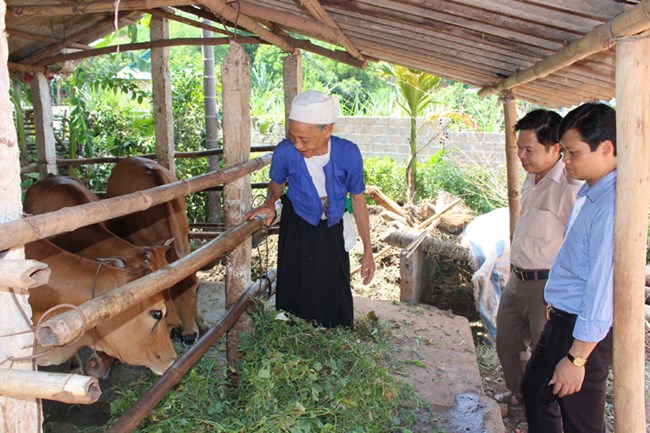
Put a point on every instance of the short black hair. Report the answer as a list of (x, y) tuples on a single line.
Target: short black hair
[(595, 122), (545, 123)]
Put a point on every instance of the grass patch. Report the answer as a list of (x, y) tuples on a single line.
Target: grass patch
[(293, 378)]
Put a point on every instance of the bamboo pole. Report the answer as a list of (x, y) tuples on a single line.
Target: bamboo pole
[(66, 388), (630, 231), (601, 38), (169, 14), (221, 8), (512, 166), (19, 232), (65, 327), (25, 274), (130, 419), (158, 43)]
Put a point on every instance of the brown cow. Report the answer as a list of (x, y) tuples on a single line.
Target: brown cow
[(137, 336), (159, 223), (94, 241)]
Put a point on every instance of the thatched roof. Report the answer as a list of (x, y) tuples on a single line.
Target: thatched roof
[(478, 42)]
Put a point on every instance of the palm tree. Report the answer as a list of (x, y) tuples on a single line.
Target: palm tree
[(416, 90)]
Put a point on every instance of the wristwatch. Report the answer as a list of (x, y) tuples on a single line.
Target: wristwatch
[(576, 360)]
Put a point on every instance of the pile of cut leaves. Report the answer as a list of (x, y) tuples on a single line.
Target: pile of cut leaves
[(294, 377)]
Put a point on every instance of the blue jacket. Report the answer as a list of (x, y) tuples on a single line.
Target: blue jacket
[(343, 174)]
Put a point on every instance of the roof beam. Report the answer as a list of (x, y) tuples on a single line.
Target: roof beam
[(161, 43), (220, 8), (91, 7), (170, 15), (630, 22), (318, 12)]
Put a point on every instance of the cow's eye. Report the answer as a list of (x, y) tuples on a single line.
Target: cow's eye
[(147, 258), (156, 314)]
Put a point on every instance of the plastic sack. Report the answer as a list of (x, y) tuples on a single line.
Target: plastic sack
[(349, 231)]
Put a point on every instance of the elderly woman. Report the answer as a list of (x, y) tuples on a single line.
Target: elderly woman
[(313, 279)]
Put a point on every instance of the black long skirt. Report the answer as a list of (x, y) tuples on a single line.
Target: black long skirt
[(313, 280)]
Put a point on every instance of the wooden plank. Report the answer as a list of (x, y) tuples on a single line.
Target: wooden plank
[(78, 8), (631, 22), (221, 8), (434, 18), (630, 232), (170, 15), (321, 15)]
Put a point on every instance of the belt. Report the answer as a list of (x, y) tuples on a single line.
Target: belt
[(527, 275), (560, 317)]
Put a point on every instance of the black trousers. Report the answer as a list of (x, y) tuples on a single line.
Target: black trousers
[(313, 279), (582, 412)]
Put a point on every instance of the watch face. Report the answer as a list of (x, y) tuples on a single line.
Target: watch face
[(576, 360)]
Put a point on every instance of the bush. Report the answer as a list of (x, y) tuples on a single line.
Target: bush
[(482, 189)]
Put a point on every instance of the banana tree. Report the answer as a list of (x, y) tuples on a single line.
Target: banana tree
[(416, 90)]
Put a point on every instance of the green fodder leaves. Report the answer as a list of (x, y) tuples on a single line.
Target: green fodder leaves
[(293, 377)]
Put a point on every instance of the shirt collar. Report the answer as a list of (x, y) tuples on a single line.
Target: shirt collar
[(556, 172), (599, 188)]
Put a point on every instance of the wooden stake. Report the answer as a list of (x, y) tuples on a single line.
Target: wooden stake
[(383, 200), (66, 388), (162, 96), (65, 327), (631, 229), (25, 274), (19, 232)]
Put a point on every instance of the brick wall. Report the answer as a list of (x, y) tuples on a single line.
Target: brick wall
[(388, 137)]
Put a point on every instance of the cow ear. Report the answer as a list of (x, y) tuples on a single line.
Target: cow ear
[(112, 261)]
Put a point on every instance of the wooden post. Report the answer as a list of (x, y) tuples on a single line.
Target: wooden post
[(630, 233), (512, 161), (236, 90), (292, 77), (211, 122), (162, 95), (417, 273), (17, 415), (45, 143)]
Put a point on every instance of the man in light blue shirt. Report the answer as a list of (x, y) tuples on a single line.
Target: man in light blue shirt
[(565, 381)]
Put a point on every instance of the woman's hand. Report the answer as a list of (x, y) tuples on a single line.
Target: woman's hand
[(265, 209), (367, 267)]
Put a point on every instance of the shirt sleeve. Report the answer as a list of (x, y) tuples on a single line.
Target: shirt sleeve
[(279, 172), (354, 182), (596, 317)]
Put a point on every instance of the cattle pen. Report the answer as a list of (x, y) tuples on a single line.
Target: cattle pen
[(556, 53), (66, 327)]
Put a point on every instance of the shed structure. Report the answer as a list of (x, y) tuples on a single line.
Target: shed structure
[(556, 53)]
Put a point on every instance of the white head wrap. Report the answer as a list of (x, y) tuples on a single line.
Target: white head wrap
[(314, 107)]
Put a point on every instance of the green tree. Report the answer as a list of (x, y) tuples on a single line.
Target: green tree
[(416, 90)]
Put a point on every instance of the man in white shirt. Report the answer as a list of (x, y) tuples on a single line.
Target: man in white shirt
[(548, 195)]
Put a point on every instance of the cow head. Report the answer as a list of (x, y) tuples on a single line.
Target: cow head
[(145, 329)]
